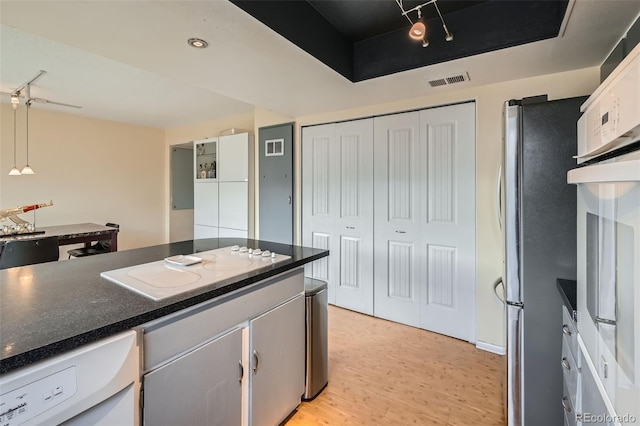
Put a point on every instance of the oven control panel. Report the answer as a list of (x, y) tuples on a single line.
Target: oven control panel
[(17, 406)]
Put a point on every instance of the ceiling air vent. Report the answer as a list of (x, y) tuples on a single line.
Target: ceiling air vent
[(445, 81)]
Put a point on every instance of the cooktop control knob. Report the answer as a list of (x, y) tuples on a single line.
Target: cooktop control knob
[(266, 253), (235, 248), (257, 252), (243, 249), (273, 255), (250, 251)]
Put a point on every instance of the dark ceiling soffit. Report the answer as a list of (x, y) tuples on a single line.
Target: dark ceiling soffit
[(480, 29), (486, 27), (302, 25)]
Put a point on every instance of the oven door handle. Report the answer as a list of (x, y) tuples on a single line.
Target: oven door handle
[(622, 171)]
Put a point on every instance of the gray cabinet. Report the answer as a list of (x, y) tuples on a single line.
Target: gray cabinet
[(277, 363), (235, 361), (202, 387)]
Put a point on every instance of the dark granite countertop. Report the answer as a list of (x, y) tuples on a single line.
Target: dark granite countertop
[(568, 292), (52, 307)]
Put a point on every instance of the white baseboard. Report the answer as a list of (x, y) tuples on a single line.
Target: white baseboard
[(500, 350)]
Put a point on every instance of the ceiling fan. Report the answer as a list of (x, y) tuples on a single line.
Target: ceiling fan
[(24, 91)]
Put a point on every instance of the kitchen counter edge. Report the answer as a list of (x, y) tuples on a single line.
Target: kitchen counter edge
[(145, 310)]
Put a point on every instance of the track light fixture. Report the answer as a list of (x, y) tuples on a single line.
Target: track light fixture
[(418, 29)]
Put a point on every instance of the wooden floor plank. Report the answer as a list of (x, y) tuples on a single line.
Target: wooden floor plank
[(385, 373)]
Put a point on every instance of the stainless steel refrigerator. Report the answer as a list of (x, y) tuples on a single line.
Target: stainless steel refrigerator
[(540, 246)]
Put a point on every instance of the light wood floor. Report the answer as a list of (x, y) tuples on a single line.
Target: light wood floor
[(383, 373)]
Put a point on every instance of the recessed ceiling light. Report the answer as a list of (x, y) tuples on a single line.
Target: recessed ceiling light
[(198, 43)]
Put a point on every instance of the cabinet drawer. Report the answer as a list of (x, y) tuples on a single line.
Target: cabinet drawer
[(569, 371), (569, 332)]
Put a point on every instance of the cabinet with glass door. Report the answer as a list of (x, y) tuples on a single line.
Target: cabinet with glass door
[(205, 154)]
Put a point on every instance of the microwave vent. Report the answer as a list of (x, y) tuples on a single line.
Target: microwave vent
[(445, 81)]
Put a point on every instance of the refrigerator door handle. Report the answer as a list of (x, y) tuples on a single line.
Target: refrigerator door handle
[(499, 196), (511, 225), (498, 283)]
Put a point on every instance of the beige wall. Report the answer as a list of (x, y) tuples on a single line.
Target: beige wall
[(94, 171), (180, 223), (489, 101)]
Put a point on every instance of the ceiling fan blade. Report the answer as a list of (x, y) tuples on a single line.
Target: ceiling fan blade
[(46, 101)]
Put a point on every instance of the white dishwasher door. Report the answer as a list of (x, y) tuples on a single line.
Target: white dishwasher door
[(94, 384)]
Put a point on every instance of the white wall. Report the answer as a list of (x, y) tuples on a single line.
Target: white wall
[(489, 101), (94, 171)]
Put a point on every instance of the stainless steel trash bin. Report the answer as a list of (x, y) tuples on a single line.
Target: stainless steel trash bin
[(316, 369)]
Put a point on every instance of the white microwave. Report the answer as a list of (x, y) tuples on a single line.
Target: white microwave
[(611, 116)]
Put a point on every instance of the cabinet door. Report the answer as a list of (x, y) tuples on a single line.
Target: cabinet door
[(203, 231), (205, 203), (396, 218), (233, 164), (233, 207), (203, 387), (205, 155), (277, 363)]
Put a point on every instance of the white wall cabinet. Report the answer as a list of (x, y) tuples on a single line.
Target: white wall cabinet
[(393, 199), (221, 188), (337, 166), (234, 155)]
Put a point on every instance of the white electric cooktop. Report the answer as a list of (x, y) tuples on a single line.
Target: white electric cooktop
[(177, 274)]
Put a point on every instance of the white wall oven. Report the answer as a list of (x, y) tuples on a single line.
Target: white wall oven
[(608, 238)]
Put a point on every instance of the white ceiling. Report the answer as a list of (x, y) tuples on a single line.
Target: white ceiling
[(129, 61)]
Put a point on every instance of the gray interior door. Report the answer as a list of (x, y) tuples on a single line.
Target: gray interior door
[(181, 178), (276, 183)]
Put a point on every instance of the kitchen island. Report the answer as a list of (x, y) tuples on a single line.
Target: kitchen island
[(51, 308)]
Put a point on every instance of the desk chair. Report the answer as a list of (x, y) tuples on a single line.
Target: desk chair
[(29, 252), (100, 247)]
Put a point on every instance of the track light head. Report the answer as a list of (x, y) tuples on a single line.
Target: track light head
[(417, 31)]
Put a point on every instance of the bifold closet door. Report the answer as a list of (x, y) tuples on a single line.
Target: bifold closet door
[(337, 164), (397, 245), (319, 208), (354, 224), (448, 214)]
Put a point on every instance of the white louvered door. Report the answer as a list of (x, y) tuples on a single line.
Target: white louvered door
[(448, 214), (396, 218), (338, 209)]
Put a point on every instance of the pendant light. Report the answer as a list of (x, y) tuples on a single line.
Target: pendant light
[(27, 170), (14, 171)]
